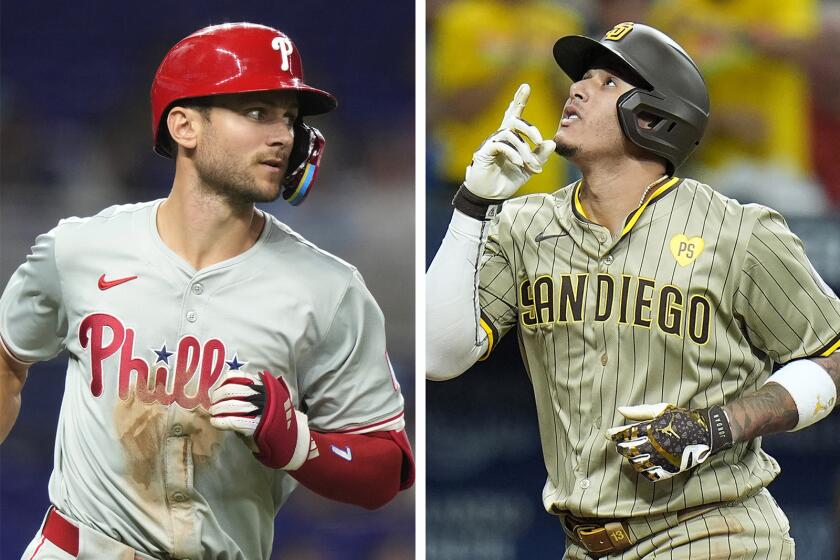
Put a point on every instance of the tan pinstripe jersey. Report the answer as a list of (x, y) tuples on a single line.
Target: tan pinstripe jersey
[(692, 305)]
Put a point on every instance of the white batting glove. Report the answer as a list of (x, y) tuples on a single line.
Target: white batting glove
[(505, 161)]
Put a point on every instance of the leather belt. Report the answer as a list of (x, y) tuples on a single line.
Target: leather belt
[(65, 535), (61, 533), (600, 537)]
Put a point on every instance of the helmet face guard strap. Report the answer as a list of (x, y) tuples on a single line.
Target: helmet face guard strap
[(241, 58)]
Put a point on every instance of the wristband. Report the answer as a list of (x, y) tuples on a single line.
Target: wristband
[(810, 387), (719, 429), (474, 206), (303, 443)]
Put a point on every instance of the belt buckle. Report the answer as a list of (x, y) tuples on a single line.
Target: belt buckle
[(594, 538), (609, 538)]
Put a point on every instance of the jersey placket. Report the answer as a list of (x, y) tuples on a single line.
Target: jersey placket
[(179, 467), (596, 243), (602, 249)]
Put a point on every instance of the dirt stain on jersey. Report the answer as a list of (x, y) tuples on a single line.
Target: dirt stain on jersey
[(140, 427), (206, 440), (143, 427)]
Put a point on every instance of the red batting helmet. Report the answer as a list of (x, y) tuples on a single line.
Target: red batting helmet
[(238, 58)]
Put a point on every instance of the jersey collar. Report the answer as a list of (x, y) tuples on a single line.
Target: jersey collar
[(665, 186), (184, 265)]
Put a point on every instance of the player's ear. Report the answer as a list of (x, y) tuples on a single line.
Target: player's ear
[(184, 125)]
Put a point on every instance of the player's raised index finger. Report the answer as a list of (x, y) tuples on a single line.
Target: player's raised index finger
[(520, 98)]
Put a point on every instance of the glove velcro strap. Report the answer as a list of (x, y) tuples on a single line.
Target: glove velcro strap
[(720, 432), (302, 444), (475, 206)]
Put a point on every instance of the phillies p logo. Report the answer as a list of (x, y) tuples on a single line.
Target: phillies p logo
[(284, 45)]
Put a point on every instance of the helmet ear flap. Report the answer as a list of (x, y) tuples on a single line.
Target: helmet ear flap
[(673, 135), (303, 163)]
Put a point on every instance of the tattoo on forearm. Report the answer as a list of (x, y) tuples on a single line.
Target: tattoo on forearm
[(767, 411), (832, 366), (771, 409)]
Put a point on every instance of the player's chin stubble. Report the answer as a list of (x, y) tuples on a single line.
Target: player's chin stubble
[(222, 176), (565, 150)]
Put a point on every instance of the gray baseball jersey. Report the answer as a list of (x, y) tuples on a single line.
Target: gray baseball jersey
[(692, 304), (148, 336)]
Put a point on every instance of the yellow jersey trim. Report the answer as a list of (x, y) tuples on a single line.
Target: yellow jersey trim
[(489, 332), (578, 205), (831, 349), (634, 217), (656, 194)]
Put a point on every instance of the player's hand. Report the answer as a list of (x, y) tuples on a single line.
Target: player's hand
[(260, 409), (505, 160), (668, 440)]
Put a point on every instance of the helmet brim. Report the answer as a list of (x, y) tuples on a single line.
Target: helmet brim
[(576, 55), (315, 101), (311, 101)]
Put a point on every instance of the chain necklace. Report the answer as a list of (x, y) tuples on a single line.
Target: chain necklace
[(647, 190)]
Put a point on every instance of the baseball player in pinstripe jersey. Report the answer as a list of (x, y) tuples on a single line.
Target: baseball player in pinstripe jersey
[(217, 359), (650, 312)]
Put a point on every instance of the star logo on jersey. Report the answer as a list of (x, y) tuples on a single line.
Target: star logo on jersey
[(686, 250), (235, 364), (108, 284), (162, 355)]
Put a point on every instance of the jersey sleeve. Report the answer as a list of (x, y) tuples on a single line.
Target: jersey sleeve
[(347, 383), (496, 288), (33, 322), (788, 311)]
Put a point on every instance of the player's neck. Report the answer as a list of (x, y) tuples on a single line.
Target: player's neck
[(610, 194), (205, 230)]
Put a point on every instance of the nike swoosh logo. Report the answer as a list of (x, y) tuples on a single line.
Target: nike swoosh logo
[(346, 453), (542, 237), (106, 284)]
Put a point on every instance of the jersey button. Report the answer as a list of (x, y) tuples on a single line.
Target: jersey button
[(192, 316), (585, 483), (604, 359), (198, 289), (177, 430), (608, 260), (178, 497)]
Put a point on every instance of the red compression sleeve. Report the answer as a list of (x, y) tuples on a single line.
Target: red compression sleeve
[(362, 469)]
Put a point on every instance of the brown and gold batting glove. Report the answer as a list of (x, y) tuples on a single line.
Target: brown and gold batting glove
[(670, 440)]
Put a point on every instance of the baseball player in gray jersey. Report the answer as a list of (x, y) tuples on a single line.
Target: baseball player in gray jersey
[(217, 359), (650, 312)]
